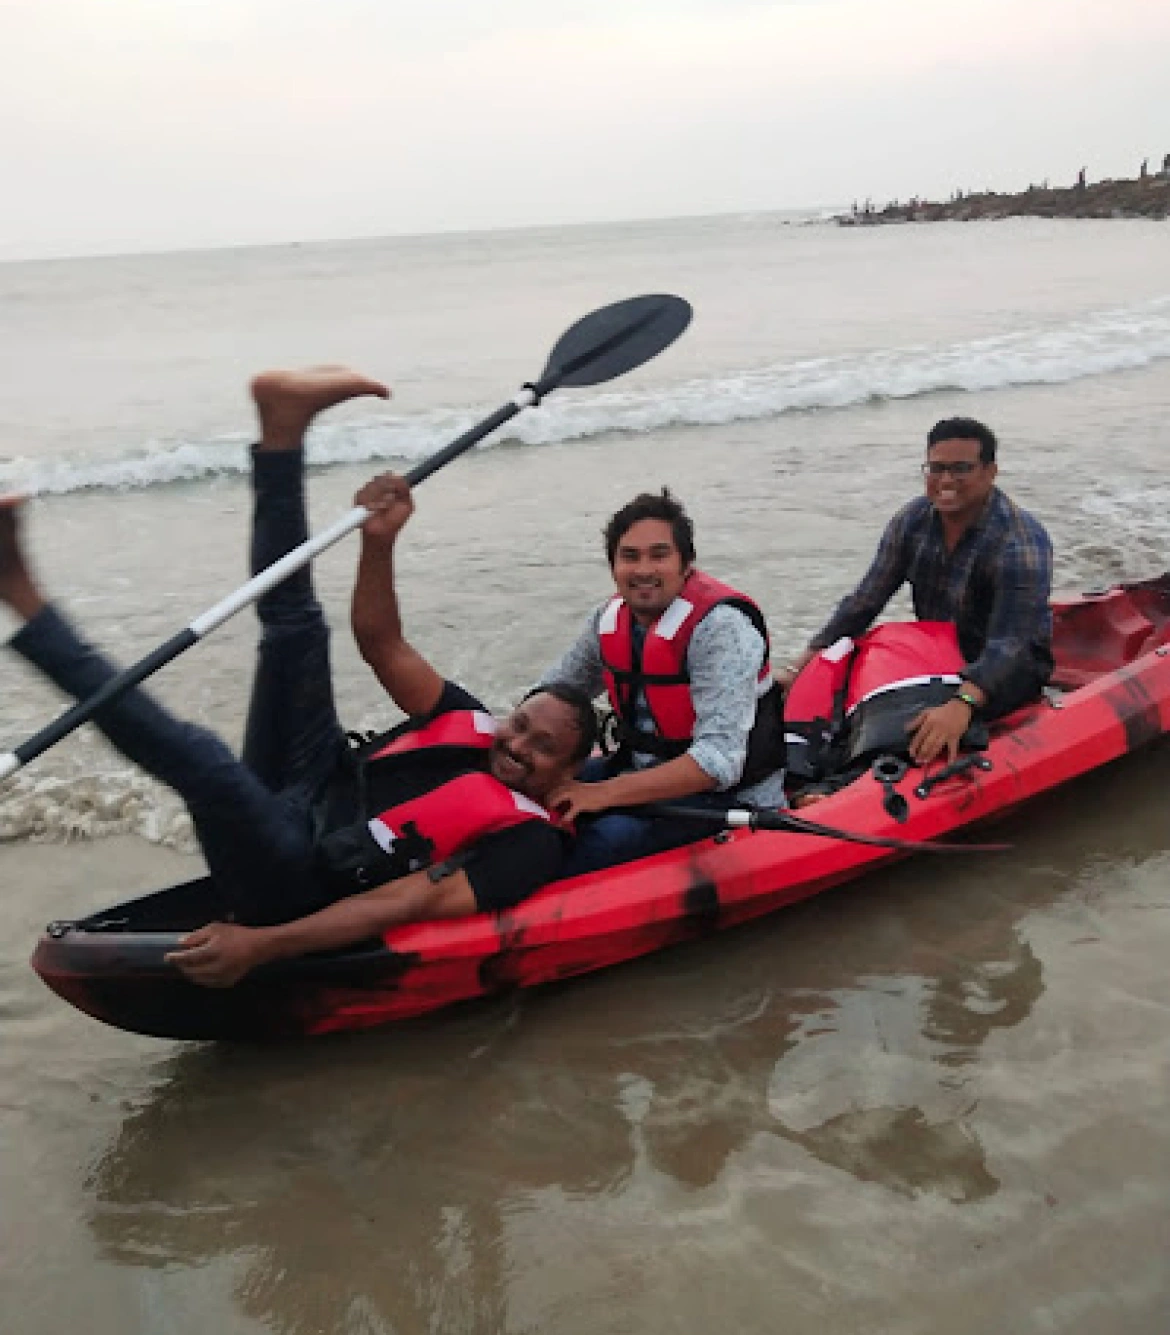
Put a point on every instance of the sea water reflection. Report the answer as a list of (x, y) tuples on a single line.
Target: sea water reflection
[(419, 1179)]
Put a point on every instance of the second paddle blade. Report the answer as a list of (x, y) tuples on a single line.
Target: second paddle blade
[(615, 339)]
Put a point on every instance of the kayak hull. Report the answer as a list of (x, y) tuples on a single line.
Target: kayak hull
[(1113, 659)]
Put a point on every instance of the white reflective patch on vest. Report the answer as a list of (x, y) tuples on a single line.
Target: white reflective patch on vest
[(793, 740), (483, 722), (382, 834), (527, 804), (837, 650), (609, 617), (671, 621), (950, 678)]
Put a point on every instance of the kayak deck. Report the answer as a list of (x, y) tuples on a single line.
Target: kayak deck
[(1112, 695)]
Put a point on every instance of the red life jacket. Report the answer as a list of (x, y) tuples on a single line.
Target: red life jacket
[(459, 729), (662, 675), (828, 708), (452, 816)]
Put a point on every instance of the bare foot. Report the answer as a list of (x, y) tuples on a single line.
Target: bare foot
[(287, 401), (16, 586)]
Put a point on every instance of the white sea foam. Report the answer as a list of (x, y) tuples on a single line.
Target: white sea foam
[(1100, 344), (57, 810)]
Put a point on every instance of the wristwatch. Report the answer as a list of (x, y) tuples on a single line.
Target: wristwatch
[(968, 699)]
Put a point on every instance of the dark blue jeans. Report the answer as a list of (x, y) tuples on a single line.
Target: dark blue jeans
[(616, 837), (251, 815)]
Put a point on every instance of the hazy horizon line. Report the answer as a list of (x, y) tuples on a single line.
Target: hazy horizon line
[(211, 247)]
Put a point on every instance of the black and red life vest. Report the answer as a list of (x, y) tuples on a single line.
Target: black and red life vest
[(466, 805), (854, 698), (659, 672)]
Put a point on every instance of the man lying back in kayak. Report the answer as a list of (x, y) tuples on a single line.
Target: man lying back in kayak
[(312, 846), (683, 659), (974, 558)]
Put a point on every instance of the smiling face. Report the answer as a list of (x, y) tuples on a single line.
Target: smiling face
[(535, 747), (648, 568), (958, 482)]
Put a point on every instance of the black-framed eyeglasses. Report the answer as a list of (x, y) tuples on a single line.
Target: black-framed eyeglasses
[(940, 468)]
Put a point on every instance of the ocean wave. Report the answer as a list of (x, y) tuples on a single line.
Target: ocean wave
[(1125, 339)]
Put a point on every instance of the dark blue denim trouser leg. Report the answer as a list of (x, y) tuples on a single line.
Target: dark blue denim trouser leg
[(292, 738), (615, 837), (256, 841)]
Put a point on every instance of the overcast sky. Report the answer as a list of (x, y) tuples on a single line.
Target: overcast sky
[(148, 124)]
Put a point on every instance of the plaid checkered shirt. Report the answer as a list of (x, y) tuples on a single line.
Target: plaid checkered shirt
[(994, 586)]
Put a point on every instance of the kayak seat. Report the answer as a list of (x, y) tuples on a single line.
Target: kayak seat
[(1097, 634), (1152, 599)]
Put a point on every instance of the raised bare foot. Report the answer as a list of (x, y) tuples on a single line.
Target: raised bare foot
[(287, 401), (16, 586)]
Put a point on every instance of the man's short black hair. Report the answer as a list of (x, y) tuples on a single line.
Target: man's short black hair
[(584, 715), (965, 428), (650, 505)]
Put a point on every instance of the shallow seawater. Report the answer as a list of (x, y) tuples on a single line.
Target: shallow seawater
[(932, 1099)]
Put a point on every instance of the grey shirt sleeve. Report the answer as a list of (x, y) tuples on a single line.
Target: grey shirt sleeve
[(724, 659), (581, 665)]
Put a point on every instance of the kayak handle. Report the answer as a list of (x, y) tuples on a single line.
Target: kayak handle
[(951, 771)]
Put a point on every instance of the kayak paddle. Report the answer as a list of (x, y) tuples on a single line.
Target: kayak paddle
[(747, 818)]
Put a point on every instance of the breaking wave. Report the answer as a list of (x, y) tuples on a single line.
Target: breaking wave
[(42, 809), (1124, 339)]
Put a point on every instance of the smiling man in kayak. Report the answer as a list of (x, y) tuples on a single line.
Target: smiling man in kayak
[(683, 659), (974, 558), (311, 844)]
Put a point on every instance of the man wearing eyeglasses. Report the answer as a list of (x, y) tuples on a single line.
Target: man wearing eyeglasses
[(974, 558)]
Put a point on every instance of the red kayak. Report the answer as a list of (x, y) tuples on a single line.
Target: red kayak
[(1111, 695)]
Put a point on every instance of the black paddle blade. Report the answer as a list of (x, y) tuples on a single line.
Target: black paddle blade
[(614, 340)]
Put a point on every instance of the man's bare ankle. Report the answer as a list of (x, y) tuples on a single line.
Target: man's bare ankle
[(280, 437)]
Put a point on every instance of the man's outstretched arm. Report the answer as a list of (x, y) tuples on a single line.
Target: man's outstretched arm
[(221, 953), (411, 681)]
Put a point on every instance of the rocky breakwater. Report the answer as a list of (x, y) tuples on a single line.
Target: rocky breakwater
[(1141, 197)]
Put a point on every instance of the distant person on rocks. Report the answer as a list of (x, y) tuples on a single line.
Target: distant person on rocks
[(971, 557), (1145, 169), (312, 845), (1166, 165), (1081, 178)]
